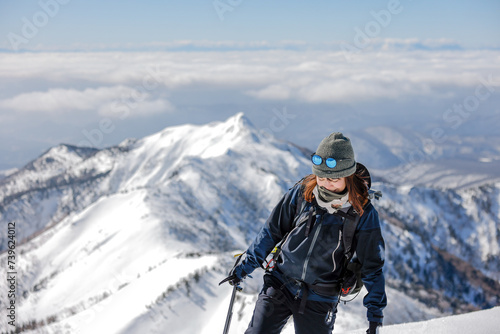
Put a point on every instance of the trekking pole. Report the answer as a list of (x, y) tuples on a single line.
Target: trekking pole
[(236, 288)]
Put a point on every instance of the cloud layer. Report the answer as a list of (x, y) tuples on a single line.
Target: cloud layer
[(84, 81), (78, 88)]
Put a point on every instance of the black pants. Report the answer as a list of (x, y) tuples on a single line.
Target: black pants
[(276, 304)]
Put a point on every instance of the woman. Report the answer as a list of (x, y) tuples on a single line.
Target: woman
[(307, 224)]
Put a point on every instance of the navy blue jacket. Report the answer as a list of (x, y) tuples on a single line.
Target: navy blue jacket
[(317, 258)]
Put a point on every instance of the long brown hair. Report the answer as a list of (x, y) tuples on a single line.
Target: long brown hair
[(356, 186)]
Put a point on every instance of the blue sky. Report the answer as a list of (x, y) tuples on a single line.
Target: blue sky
[(69, 66), (112, 24)]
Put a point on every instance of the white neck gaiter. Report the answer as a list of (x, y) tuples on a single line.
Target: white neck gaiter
[(334, 205)]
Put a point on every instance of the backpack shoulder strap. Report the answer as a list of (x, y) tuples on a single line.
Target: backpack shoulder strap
[(351, 220), (300, 202)]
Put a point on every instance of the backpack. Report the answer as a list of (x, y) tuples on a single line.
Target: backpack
[(350, 280)]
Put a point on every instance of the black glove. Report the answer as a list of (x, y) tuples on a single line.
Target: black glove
[(232, 279), (373, 327)]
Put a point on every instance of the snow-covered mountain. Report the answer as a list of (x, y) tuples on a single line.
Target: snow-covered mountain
[(406, 156), (135, 238)]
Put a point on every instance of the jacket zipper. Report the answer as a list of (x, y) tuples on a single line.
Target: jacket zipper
[(297, 225), (304, 269), (333, 254)]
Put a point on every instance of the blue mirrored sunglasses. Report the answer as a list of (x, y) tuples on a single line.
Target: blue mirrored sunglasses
[(318, 160)]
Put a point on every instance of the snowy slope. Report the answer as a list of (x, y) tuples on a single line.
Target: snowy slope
[(481, 322), (135, 238)]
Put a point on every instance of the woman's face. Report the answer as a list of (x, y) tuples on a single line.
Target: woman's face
[(335, 185)]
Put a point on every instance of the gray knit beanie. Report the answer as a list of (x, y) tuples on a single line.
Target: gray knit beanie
[(339, 147)]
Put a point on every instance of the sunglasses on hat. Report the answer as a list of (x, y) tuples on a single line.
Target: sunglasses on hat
[(329, 162)]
